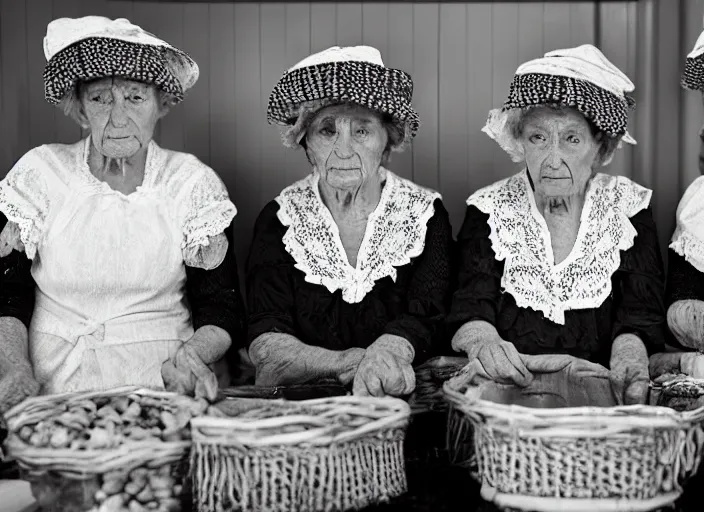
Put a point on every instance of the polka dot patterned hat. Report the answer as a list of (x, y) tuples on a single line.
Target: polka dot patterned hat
[(97, 47), (693, 75), (351, 74), (581, 78)]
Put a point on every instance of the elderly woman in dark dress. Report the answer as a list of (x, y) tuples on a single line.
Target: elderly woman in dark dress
[(116, 261), (684, 296), (561, 259), (348, 273)]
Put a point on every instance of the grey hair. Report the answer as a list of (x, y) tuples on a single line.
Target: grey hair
[(293, 135), (71, 106), (516, 119)]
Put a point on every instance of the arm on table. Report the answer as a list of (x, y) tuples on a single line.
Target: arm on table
[(277, 354)]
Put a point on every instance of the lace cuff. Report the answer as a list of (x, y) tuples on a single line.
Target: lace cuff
[(10, 239), (209, 255), (209, 213), (25, 202), (689, 247)]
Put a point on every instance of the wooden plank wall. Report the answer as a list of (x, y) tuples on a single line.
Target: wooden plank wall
[(461, 56)]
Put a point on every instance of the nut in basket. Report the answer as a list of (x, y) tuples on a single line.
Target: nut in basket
[(337, 453), (120, 450), (556, 452)]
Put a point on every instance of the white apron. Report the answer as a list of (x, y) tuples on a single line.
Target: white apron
[(110, 302)]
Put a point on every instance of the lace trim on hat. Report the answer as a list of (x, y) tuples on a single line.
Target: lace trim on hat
[(520, 237), (394, 235)]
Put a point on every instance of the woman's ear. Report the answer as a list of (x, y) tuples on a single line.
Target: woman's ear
[(80, 115)]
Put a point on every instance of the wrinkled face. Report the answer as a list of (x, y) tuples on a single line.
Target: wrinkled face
[(560, 150), (346, 144), (121, 115)]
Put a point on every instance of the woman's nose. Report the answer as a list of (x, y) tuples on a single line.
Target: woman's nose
[(343, 144), (118, 115)]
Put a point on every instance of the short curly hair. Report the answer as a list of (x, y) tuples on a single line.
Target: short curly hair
[(71, 106), (516, 119)]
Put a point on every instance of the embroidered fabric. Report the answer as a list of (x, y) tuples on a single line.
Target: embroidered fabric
[(688, 238), (201, 200), (394, 235), (520, 237)]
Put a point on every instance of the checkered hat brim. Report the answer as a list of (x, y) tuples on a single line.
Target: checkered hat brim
[(693, 74), (99, 57), (605, 110), (376, 87)]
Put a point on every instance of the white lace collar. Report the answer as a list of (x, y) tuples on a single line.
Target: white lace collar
[(688, 239), (394, 235), (520, 237)]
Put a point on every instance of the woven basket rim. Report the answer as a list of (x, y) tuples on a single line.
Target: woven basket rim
[(92, 460), (238, 431), (571, 421)]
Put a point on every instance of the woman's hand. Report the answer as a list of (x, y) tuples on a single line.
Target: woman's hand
[(386, 368), (629, 370), (16, 385), (500, 360), (187, 374)]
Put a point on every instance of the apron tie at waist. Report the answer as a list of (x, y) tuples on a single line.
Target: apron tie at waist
[(84, 358)]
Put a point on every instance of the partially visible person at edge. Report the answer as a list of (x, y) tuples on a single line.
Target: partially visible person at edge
[(116, 264), (560, 258), (684, 297), (348, 275)]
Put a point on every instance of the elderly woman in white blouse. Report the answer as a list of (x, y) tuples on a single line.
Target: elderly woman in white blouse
[(122, 234)]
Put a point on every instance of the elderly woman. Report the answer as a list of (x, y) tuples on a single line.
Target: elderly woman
[(561, 259), (131, 282), (684, 296), (348, 273)]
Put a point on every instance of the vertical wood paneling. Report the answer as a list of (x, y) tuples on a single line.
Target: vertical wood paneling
[(323, 26), (273, 61), (504, 54), (196, 42), (479, 100), (298, 33), (582, 23), (247, 93), (221, 95), (400, 55), (67, 130), (556, 26), (170, 28), (349, 24), (453, 129), (426, 51), (41, 114), (613, 20), (530, 33), (667, 114)]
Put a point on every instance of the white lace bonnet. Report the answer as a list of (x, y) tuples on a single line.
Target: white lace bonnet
[(96, 47), (582, 78), (353, 74)]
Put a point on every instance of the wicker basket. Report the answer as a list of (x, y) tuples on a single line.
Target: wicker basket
[(108, 471), (327, 454), (576, 458)]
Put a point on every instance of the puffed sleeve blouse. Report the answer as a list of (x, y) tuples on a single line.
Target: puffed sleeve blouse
[(211, 285), (685, 270), (299, 281), (611, 283)]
